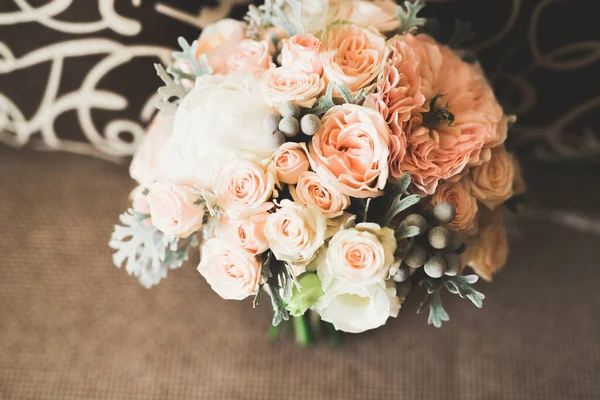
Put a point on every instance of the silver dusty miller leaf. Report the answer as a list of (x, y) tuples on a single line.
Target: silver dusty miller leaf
[(145, 251)]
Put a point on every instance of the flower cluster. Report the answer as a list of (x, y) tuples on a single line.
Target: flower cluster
[(335, 155)]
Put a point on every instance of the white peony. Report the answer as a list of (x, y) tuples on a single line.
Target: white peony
[(357, 308), (220, 117)]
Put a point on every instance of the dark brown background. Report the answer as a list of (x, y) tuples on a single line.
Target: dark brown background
[(74, 327)]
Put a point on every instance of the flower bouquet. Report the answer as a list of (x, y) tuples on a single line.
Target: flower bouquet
[(329, 154)]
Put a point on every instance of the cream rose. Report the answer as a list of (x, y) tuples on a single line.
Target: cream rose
[(380, 14), (147, 165), (250, 56), (280, 85), (361, 255), (174, 210), (221, 116), (244, 187), (352, 55), (291, 161), (351, 150), (301, 52), (492, 182), (230, 271), (218, 41), (487, 252), (295, 232), (313, 189), (248, 233), (358, 308), (466, 206)]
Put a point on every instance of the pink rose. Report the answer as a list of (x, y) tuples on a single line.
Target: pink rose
[(139, 200), (301, 52), (352, 55), (248, 233), (397, 96), (291, 161), (148, 163), (440, 150), (174, 210), (295, 232), (250, 56), (380, 14), (230, 271), (313, 189), (280, 85), (244, 187), (218, 41), (351, 151)]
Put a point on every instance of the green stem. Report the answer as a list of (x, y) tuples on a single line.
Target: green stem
[(273, 333), (301, 331)]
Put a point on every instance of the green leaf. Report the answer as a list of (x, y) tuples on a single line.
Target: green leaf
[(398, 205), (437, 314), (348, 96), (188, 55), (292, 25), (461, 285), (407, 14), (401, 187), (404, 231), (325, 102), (171, 90), (276, 276)]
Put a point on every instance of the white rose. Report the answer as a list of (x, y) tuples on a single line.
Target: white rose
[(295, 232), (360, 255), (219, 117), (314, 13), (354, 309)]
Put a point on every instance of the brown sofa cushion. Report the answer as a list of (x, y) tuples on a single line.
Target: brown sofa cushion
[(74, 327)]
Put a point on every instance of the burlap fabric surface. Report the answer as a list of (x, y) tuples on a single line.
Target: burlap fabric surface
[(74, 327)]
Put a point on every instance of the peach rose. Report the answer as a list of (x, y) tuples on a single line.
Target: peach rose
[(351, 150), (218, 41), (380, 14), (244, 187), (174, 209), (360, 255), (250, 56), (148, 164), (440, 150), (229, 270), (492, 182), (291, 161), (487, 252), (248, 233), (301, 52), (466, 206), (313, 189), (352, 55), (397, 96), (295, 232), (280, 85)]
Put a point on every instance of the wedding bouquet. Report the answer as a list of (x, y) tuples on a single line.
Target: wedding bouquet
[(331, 154)]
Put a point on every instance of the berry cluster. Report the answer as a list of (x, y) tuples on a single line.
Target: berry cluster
[(437, 248), (291, 120)]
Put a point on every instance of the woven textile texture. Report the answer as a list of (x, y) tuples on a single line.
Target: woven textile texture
[(74, 327)]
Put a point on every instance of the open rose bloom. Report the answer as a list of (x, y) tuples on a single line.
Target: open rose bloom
[(330, 155)]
